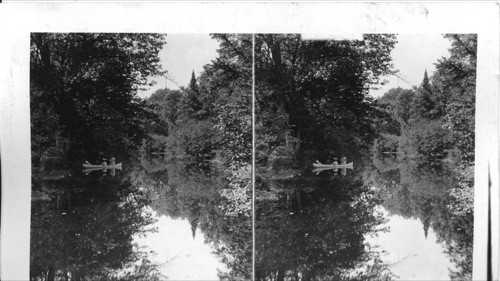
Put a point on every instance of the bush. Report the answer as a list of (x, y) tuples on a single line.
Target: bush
[(284, 156), (193, 140)]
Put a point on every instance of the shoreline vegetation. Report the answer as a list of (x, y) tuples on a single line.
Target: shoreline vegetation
[(84, 107), (413, 149), (188, 154)]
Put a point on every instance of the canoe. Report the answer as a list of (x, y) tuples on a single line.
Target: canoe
[(115, 166), (333, 166), (100, 169)]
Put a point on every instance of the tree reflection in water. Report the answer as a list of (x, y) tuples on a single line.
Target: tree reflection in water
[(315, 228), (415, 190), (193, 193), (315, 231), (313, 103), (83, 228)]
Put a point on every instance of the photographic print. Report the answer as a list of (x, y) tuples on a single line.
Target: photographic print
[(141, 156), (364, 153), (251, 141)]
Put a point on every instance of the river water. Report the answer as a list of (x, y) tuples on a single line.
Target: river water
[(149, 221), (365, 225), (180, 254), (413, 253), (153, 221)]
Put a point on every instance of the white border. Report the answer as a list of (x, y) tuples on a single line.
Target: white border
[(17, 20)]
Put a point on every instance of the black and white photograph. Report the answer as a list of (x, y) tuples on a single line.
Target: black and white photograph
[(133, 183), (365, 157), (260, 141)]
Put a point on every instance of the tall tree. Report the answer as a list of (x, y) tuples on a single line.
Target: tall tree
[(193, 85), (193, 102), (321, 86), (425, 82), (231, 75), (458, 74), (423, 104), (90, 81)]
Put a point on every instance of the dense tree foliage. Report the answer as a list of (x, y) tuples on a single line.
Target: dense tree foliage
[(190, 150), (83, 91), (312, 95), (312, 104), (209, 122), (84, 107), (425, 170)]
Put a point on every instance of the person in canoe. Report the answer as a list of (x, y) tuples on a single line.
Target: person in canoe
[(343, 161), (104, 164), (335, 161), (112, 163)]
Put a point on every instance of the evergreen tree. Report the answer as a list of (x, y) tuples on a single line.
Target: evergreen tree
[(425, 83), (193, 85), (193, 103), (423, 103)]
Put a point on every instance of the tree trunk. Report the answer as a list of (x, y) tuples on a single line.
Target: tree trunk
[(281, 275), (69, 204), (51, 274)]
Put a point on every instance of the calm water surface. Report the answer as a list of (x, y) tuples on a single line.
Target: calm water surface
[(180, 254), (413, 252), (364, 225), (141, 223)]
